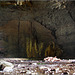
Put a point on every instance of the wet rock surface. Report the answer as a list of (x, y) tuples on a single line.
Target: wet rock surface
[(35, 67)]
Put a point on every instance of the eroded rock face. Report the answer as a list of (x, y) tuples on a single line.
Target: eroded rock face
[(62, 24), (27, 29), (58, 22), (66, 37), (65, 32)]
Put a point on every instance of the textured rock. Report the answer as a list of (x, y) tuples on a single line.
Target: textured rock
[(8, 69), (59, 22), (62, 24), (57, 68), (27, 28), (6, 64)]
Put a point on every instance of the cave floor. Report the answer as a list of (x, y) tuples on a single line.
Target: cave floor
[(38, 67)]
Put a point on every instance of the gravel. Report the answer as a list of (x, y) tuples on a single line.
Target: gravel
[(29, 67)]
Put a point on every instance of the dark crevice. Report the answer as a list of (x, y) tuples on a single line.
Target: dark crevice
[(71, 15)]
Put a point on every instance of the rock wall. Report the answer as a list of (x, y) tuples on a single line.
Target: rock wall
[(62, 23), (59, 20)]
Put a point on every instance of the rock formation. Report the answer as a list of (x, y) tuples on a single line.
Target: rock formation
[(52, 21)]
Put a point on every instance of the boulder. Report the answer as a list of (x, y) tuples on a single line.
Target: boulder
[(6, 66)]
